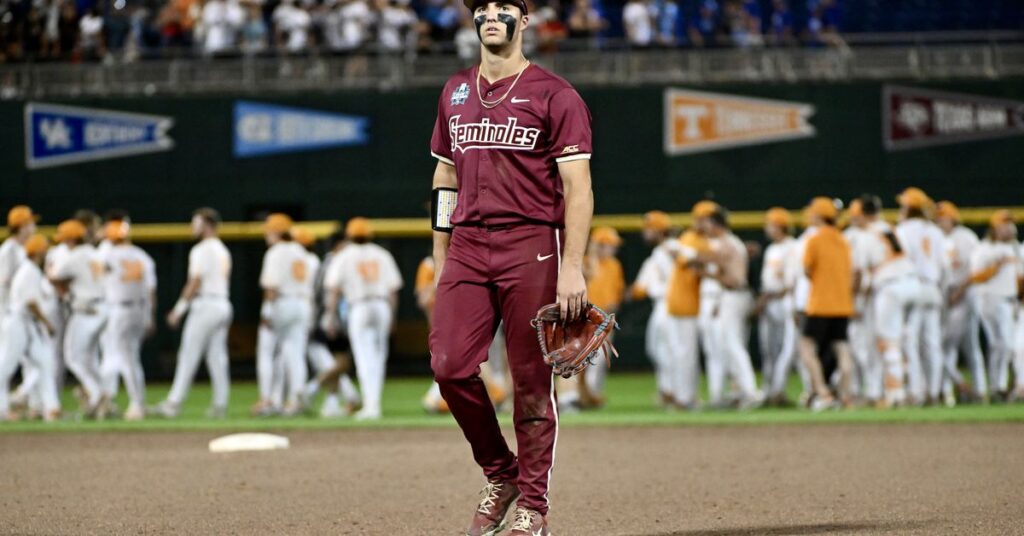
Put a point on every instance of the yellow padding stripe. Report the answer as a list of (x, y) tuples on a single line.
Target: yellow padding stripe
[(420, 227)]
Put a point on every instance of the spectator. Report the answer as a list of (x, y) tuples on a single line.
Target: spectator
[(443, 17), (221, 21), (738, 22), (823, 24), (349, 26), (781, 32), (467, 43), (67, 30), (667, 23), (177, 22), (291, 27), (550, 30), (705, 28), (33, 33), (91, 44), (394, 22), (639, 23), (585, 21), (254, 31)]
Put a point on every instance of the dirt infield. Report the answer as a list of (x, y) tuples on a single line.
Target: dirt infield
[(893, 479)]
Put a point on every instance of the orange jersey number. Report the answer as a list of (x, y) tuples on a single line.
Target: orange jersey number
[(369, 270), (299, 271), (131, 271)]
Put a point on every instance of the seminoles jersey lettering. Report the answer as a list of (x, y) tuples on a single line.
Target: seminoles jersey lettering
[(485, 135), (506, 157)]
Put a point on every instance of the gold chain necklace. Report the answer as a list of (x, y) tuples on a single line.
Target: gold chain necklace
[(491, 104)]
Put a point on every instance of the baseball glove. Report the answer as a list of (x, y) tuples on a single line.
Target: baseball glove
[(571, 348)]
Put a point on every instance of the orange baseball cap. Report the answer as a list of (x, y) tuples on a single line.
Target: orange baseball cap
[(70, 230), (36, 244), (303, 236), (824, 207), (358, 227), (1000, 217), (946, 209), (278, 223), (116, 230), (704, 209), (914, 197), (607, 236), (657, 220), (20, 215), (778, 216)]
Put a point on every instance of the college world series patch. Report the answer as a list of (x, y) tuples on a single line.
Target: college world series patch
[(460, 95)]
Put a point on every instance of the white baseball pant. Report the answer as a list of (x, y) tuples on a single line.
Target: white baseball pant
[(713, 366), (892, 303), (962, 329), (81, 349), (205, 334), (126, 328), (656, 343), (867, 377), (23, 339), (730, 333), (369, 324), (997, 319), (925, 358), (777, 332), (681, 363)]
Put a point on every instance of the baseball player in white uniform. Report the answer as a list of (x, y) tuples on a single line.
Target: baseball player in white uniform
[(287, 298), (205, 299), (27, 331), (82, 274), (728, 325), (961, 326), (865, 235), (368, 277), (21, 224), (995, 272), (777, 328), (131, 297), (652, 282), (923, 243), (54, 256), (110, 363)]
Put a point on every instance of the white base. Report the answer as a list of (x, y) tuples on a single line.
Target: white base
[(248, 442)]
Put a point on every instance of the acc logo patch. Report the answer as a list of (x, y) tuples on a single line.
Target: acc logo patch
[(569, 149), (460, 95)]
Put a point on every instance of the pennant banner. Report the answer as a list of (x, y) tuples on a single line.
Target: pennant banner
[(697, 121), (262, 129), (913, 118), (57, 135)]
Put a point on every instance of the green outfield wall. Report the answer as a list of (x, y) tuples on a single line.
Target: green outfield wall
[(389, 175)]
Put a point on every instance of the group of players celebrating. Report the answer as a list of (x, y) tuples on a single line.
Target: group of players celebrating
[(874, 315), (88, 301)]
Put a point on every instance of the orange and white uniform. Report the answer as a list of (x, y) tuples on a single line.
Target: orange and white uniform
[(683, 305), (869, 250), (368, 278), (962, 325), (895, 288), (130, 282), (922, 242), (652, 282), (729, 329), (777, 328), (286, 271), (84, 270), (995, 271), (606, 288)]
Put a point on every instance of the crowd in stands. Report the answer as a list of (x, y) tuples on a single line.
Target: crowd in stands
[(126, 30)]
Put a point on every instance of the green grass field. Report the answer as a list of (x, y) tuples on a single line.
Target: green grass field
[(630, 402)]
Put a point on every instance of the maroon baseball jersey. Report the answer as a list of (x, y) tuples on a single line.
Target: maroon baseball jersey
[(506, 158)]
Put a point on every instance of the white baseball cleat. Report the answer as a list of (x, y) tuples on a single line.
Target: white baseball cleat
[(166, 409), (366, 414), (331, 409), (134, 413)]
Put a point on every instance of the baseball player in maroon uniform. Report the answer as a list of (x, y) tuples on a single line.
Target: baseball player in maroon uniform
[(511, 213)]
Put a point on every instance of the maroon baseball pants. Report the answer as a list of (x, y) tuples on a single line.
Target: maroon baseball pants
[(494, 275)]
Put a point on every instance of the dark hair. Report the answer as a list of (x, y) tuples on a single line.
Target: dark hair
[(914, 212), (117, 214), (870, 204), (335, 238), (361, 240), (893, 242), (87, 217), (287, 236), (720, 216), (209, 215), (828, 221)]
